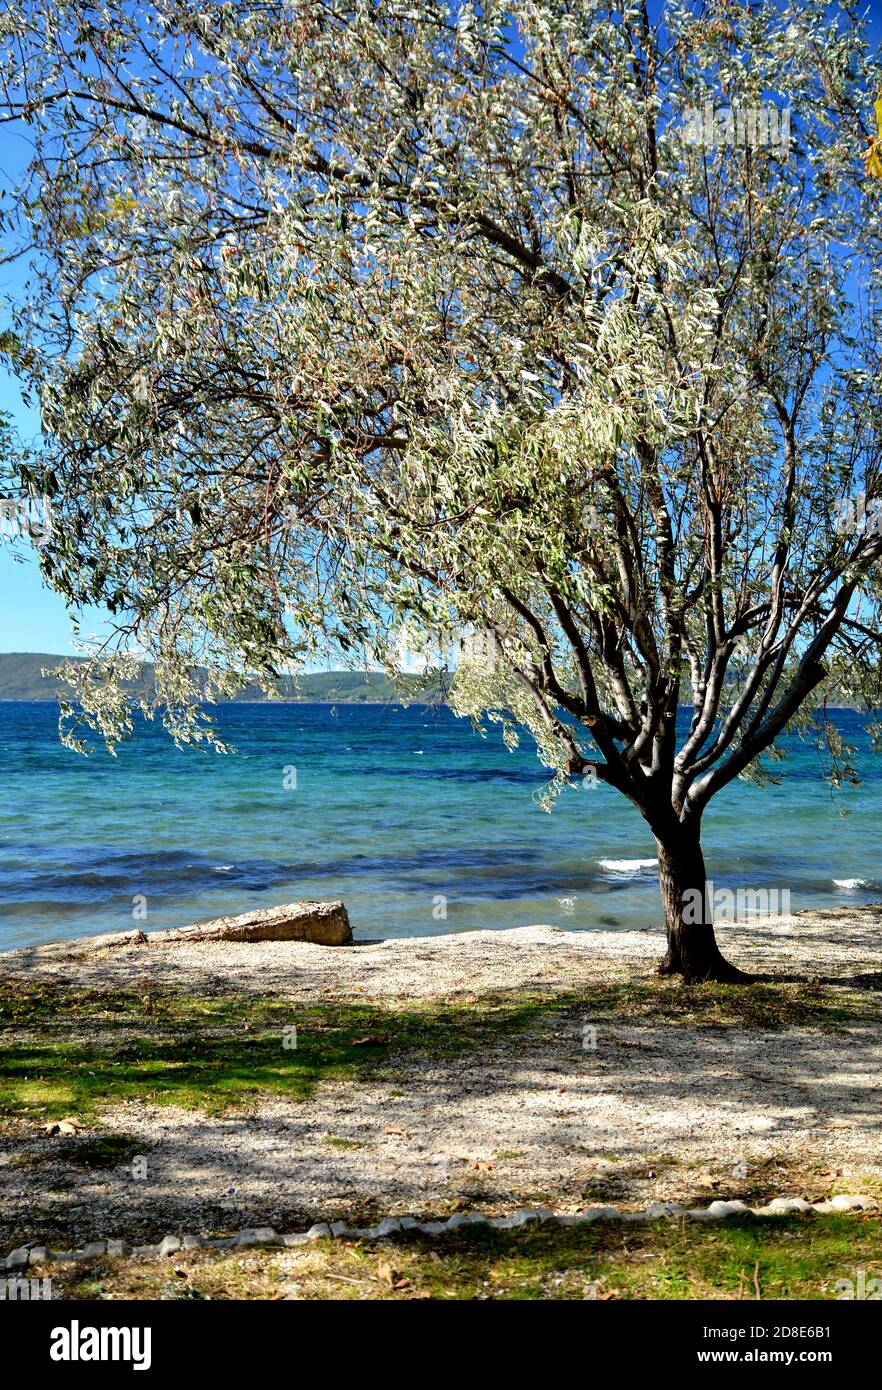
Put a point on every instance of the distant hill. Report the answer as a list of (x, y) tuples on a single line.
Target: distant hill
[(21, 679)]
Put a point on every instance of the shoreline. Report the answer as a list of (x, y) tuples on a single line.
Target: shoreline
[(813, 939)]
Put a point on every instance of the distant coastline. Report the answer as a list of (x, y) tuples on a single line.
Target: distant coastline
[(21, 679)]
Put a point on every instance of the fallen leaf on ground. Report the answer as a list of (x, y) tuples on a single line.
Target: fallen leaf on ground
[(67, 1126), (391, 1277)]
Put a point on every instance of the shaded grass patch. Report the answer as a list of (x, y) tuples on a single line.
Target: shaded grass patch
[(70, 1051)]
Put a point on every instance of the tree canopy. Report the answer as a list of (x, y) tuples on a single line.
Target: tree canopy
[(348, 315)]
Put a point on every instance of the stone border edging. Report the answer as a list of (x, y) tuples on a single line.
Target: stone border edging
[(265, 1235)]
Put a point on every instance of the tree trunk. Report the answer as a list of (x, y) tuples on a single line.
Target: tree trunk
[(692, 946)]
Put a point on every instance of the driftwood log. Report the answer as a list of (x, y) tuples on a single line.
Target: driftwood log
[(325, 924)]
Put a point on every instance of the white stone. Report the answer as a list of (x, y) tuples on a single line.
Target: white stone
[(602, 1214), (657, 1209), (388, 1227), (783, 1206), (256, 1235), (466, 1218), (723, 1209), (842, 1203)]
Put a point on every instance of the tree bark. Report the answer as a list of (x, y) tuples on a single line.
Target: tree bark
[(692, 946)]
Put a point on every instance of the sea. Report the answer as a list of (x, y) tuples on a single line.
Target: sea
[(418, 822)]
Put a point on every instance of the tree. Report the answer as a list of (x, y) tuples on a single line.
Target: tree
[(528, 321)]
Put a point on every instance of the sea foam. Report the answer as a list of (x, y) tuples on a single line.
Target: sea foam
[(628, 866)]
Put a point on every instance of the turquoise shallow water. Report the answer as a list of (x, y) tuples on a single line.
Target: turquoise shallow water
[(406, 814)]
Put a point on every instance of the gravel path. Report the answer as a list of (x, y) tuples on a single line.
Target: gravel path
[(657, 1112)]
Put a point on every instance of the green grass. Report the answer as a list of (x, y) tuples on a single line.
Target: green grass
[(793, 1258), (68, 1052)]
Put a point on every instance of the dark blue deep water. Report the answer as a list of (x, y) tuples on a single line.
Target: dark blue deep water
[(405, 813)]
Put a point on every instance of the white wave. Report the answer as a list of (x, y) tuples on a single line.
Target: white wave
[(627, 866), (223, 868), (850, 885)]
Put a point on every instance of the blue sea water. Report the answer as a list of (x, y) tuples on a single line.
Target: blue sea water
[(418, 823)]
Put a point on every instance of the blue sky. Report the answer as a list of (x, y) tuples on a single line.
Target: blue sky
[(32, 617)]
